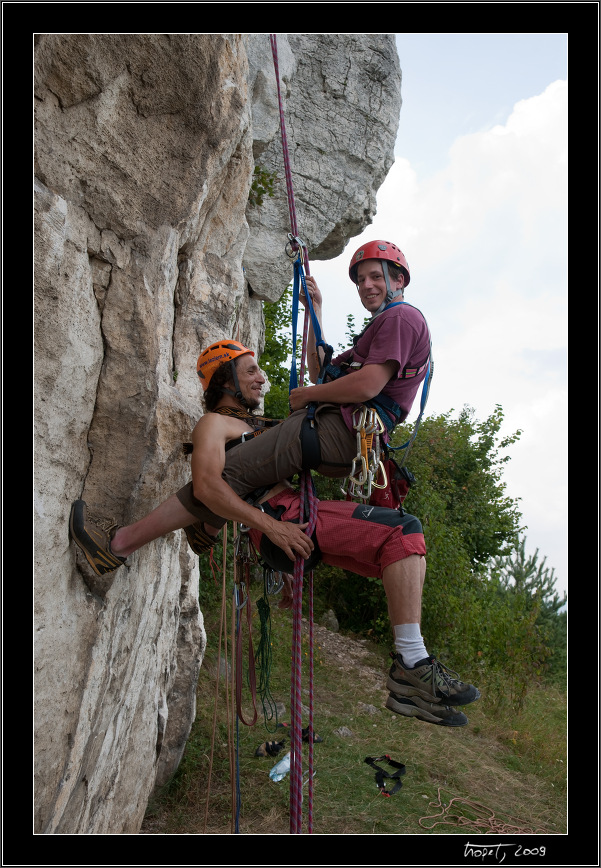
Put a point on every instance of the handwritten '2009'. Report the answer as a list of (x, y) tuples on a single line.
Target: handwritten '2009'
[(499, 851)]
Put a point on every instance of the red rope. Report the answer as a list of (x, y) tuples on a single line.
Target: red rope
[(307, 496), (296, 745), (290, 195), (289, 190), (311, 728), (306, 491)]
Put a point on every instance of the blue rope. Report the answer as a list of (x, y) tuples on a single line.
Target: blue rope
[(423, 401), (299, 280)]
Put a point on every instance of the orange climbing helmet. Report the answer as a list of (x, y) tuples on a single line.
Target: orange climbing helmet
[(379, 250), (215, 355)]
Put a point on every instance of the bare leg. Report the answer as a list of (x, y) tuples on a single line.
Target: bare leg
[(403, 583), (420, 687), (169, 516)]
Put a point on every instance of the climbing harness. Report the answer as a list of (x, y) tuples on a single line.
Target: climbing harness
[(382, 775), (258, 423), (276, 557), (368, 466)]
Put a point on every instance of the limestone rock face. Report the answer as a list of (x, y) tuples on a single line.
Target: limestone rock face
[(341, 99), (146, 250)]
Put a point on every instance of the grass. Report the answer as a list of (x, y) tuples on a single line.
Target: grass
[(504, 772)]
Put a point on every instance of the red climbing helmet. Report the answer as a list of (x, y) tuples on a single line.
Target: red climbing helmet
[(215, 355), (379, 250)]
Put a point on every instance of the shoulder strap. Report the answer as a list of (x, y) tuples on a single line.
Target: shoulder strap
[(257, 423)]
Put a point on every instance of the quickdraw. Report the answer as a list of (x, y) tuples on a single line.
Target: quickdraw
[(367, 465), (381, 774)]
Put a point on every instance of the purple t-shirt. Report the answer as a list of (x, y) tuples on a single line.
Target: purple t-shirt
[(398, 334)]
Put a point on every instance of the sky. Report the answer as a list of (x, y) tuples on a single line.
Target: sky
[(477, 202)]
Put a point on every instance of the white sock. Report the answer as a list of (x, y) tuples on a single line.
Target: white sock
[(409, 643)]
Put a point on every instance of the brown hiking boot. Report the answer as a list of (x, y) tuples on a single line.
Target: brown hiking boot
[(198, 539), (430, 712), (93, 536), (430, 680)]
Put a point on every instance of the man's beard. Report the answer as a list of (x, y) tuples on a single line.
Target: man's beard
[(252, 402)]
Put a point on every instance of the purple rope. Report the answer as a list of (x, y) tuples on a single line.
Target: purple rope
[(289, 190), (306, 492)]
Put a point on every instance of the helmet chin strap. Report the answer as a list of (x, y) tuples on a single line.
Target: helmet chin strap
[(237, 394), (390, 295)]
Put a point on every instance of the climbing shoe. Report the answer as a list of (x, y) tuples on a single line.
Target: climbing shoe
[(316, 738), (430, 712), (93, 536), (198, 539), (270, 748), (430, 680)]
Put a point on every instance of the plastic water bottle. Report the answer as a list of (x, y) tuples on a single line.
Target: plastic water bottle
[(281, 769)]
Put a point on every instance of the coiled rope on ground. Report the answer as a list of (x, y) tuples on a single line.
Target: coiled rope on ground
[(485, 821)]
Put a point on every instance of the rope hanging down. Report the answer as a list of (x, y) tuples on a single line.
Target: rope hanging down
[(308, 510)]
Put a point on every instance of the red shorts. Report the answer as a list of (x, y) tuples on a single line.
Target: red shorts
[(360, 538)]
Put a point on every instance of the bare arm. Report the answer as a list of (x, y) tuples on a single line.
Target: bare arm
[(353, 388), (208, 462)]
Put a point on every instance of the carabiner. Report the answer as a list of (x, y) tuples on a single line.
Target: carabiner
[(237, 588), (243, 550), (273, 586), (385, 483)]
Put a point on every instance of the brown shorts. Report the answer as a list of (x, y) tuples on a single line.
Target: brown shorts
[(277, 454)]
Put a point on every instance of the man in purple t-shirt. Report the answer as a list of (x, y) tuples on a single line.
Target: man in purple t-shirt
[(390, 357)]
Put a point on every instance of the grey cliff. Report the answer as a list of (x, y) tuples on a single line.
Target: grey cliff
[(146, 250)]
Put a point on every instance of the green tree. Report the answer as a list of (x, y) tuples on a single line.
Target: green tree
[(459, 467), (277, 354), (459, 496), (521, 577)]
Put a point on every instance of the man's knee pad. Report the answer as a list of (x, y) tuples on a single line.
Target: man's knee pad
[(388, 517)]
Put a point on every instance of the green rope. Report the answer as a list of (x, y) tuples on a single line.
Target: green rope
[(263, 660)]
